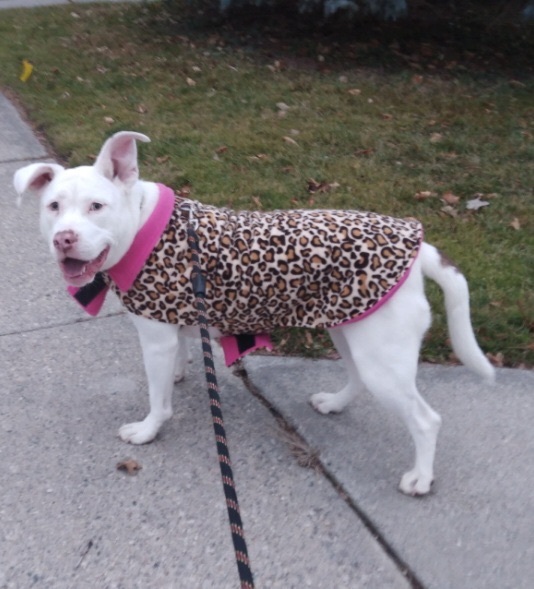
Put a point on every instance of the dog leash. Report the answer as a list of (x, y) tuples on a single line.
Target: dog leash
[(236, 525)]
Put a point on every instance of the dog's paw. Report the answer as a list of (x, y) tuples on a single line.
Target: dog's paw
[(415, 484), (327, 403), (139, 432)]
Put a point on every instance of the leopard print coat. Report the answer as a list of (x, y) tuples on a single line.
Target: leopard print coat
[(316, 268)]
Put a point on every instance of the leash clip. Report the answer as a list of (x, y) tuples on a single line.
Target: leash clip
[(188, 213)]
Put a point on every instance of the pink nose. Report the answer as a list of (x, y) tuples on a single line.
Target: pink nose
[(64, 240)]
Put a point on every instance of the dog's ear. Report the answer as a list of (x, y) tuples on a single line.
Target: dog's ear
[(35, 178), (118, 157)]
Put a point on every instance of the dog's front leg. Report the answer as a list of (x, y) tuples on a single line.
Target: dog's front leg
[(159, 342)]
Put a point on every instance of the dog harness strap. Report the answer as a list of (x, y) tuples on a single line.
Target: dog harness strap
[(91, 296), (232, 505)]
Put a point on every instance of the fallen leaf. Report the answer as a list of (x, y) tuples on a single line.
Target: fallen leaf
[(163, 159), (343, 79), (222, 149), (436, 137), (256, 200), (190, 82), (451, 211), (515, 224), (314, 186), (450, 199), (142, 109), (109, 120), (184, 191), (361, 152), (282, 106), (424, 195), (496, 359), (476, 203), (387, 117), (290, 140), (355, 91), (259, 157), (129, 465)]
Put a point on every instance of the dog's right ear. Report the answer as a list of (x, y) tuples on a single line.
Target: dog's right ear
[(118, 157), (35, 178)]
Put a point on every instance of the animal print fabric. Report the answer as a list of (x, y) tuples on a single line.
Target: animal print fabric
[(316, 268)]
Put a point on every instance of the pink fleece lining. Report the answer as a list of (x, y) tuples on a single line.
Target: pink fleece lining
[(128, 267)]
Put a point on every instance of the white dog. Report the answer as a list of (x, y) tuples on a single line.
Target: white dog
[(101, 220)]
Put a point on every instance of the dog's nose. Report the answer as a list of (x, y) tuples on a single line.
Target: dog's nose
[(64, 240)]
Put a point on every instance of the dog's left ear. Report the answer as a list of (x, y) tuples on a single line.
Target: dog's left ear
[(118, 157)]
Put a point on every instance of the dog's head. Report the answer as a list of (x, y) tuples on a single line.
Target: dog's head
[(90, 214)]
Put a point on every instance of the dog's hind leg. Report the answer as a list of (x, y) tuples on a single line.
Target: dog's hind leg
[(159, 343), (336, 402), (385, 349)]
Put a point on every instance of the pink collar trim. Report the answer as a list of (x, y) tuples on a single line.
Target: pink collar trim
[(128, 267)]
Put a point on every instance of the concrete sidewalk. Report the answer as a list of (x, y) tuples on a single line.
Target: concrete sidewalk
[(69, 519)]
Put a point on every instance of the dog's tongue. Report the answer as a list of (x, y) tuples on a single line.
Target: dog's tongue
[(73, 267)]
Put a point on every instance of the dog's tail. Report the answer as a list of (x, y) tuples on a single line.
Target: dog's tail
[(440, 269)]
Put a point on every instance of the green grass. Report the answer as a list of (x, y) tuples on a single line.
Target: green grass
[(382, 122)]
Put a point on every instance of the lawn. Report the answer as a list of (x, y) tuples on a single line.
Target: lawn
[(255, 116)]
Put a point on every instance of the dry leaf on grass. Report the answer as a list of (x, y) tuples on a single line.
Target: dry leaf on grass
[(290, 140), (496, 359), (362, 152), (450, 199), (314, 186), (259, 157), (423, 195), (451, 211), (129, 465), (515, 224)]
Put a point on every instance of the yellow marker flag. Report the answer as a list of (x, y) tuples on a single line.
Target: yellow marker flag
[(27, 69)]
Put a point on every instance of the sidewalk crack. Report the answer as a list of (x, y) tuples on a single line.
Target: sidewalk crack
[(308, 457)]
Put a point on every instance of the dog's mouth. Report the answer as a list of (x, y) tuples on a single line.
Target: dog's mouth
[(79, 272)]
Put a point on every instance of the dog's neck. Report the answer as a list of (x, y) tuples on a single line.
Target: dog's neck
[(148, 197)]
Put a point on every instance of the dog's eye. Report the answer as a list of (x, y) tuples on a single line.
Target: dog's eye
[(54, 206), (96, 206)]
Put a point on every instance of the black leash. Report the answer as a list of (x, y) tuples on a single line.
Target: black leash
[(236, 525)]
